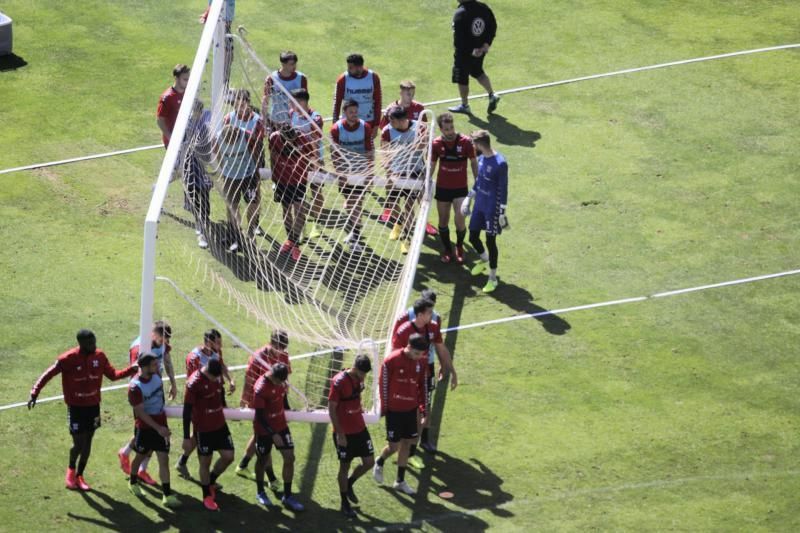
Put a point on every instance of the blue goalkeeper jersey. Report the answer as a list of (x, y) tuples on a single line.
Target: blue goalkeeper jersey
[(491, 185)]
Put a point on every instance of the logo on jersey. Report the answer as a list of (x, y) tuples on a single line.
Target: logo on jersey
[(478, 25), (95, 363)]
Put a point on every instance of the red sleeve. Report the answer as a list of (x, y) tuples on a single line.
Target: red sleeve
[(273, 151), (115, 375), (435, 151), (304, 82), (135, 396), (377, 97), (133, 354), (191, 364), (422, 391), (335, 132), (384, 121), (318, 122), (162, 110), (267, 86), (469, 149), (258, 401), (397, 339), (368, 146), (334, 393), (338, 97), (188, 396), (383, 379), (437, 332), (385, 137), (49, 374)]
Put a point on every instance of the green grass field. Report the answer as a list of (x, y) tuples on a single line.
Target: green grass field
[(671, 414)]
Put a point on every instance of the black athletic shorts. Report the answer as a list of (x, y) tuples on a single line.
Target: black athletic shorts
[(448, 195), (148, 440), (395, 193), (248, 189), (83, 418), (286, 194), (264, 443), (358, 445), (352, 190), (466, 65), (211, 441), (401, 425)]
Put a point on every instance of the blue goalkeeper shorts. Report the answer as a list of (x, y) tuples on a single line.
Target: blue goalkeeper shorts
[(480, 221)]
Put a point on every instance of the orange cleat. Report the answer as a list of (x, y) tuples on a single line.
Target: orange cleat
[(70, 480), (82, 484), (144, 476), (124, 463), (210, 504)]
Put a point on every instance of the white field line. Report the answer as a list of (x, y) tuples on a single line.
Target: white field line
[(562, 311), (454, 100), (657, 484)]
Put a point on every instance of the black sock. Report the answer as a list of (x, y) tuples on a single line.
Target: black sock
[(460, 234), (380, 461), (444, 235), (206, 491), (260, 486), (166, 489), (72, 463), (182, 461), (350, 483), (401, 473), (345, 502), (412, 451), (287, 489), (424, 435), (271, 474), (244, 462), (213, 477), (134, 479)]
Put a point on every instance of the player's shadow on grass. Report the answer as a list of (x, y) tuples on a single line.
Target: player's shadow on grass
[(506, 132), (11, 62)]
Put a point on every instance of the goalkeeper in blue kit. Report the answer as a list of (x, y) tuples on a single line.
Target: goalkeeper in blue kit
[(489, 214)]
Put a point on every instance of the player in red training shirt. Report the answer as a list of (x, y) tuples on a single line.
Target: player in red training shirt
[(350, 434), (82, 369), (259, 363), (170, 102), (270, 428), (404, 402), (151, 433), (453, 151), (203, 405), (362, 85)]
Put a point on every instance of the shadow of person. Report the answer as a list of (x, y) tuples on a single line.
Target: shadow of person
[(506, 132), (11, 62), (521, 300), (426, 510), (116, 515)]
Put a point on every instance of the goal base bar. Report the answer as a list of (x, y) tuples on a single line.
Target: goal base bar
[(318, 417)]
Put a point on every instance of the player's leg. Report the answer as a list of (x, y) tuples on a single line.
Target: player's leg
[(287, 453), (124, 456), (460, 76), (363, 448), (263, 445), (249, 451), (232, 189), (477, 72), (142, 472), (133, 482), (477, 223), (168, 499), (253, 199), (491, 245), (443, 208), (461, 227), (222, 463), (402, 464), (317, 203), (393, 205), (181, 465), (205, 474)]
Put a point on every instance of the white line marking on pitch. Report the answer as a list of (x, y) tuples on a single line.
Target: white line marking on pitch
[(562, 311), (453, 100)]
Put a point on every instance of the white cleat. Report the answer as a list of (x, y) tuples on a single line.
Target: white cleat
[(404, 487), (377, 473)]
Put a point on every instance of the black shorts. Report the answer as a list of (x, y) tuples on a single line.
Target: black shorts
[(466, 65), (247, 188), (264, 443), (287, 195), (83, 418), (401, 425), (210, 441), (395, 193), (355, 191), (448, 195), (148, 440), (358, 445)]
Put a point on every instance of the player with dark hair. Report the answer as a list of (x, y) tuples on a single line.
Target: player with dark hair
[(352, 153), (203, 406), (474, 30), (160, 348), (82, 369), (491, 196), (275, 102), (151, 433), (170, 102), (308, 122), (270, 428), (404, 403), (452, 151), (350, 435), (363, 86), (257, 365)]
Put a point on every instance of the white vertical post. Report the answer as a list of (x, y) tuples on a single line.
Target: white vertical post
[(219, 57)]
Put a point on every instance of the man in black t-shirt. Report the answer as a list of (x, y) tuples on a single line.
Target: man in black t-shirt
[(474, 29)]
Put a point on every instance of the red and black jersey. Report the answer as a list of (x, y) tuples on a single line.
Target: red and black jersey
[(291, 161), (346, 391), (453, 157), (207, 398), (258, 365), (81, 376), (270, 398), (404, 329), (168, 106), (414, 110), (403, 383)]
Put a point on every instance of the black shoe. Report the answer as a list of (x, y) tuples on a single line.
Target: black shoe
[(428, 446), (351, 495), (493, 101), (348, 511)]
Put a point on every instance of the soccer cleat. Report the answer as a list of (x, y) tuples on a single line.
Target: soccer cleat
[(404, 247), (445, 257), (286, 247), (431, 230), (348, 511), (245, 473), (136, 490), (404, 487), (490, 286), (460, 254), (263, 499), (213, 489), (460, 108), (124, 463), (170, 502), (291, 503), (144, 476), (233, 247), (385, 215), (183, 470), (493, 101), (296, 253), (479, 267), (377, 473), (69, 481), (416, 462), (395, 234), (202, 242), (314, 233), (210, 504), (428, 446), (82, 484), (351, 495)]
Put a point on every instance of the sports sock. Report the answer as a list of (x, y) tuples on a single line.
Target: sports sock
[(380, 461), (244, 462), (166, 489), (213, 477), (206, 491), (412, 451), (126, 450), (259, 486), (401, 473), (143, 466), (444, 235), (493, 274), (183, 460), (271, 474), (484, 256), (350, 482), (134, 479), (287, 489), (460, 234), (345, 502)]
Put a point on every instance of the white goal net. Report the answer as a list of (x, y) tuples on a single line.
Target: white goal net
[(263, 225)]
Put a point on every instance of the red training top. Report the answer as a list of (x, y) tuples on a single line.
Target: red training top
[(404, 329), (414, 110), (198, 357), (403, 383), (168, 106), (258, 365), (205, 395), (291, 161), (453, 157), (269, 396), (81, 376), (346, 390)]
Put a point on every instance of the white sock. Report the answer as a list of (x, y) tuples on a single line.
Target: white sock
[(485, 256), (493, 274), (143, 466), (126, 450)]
